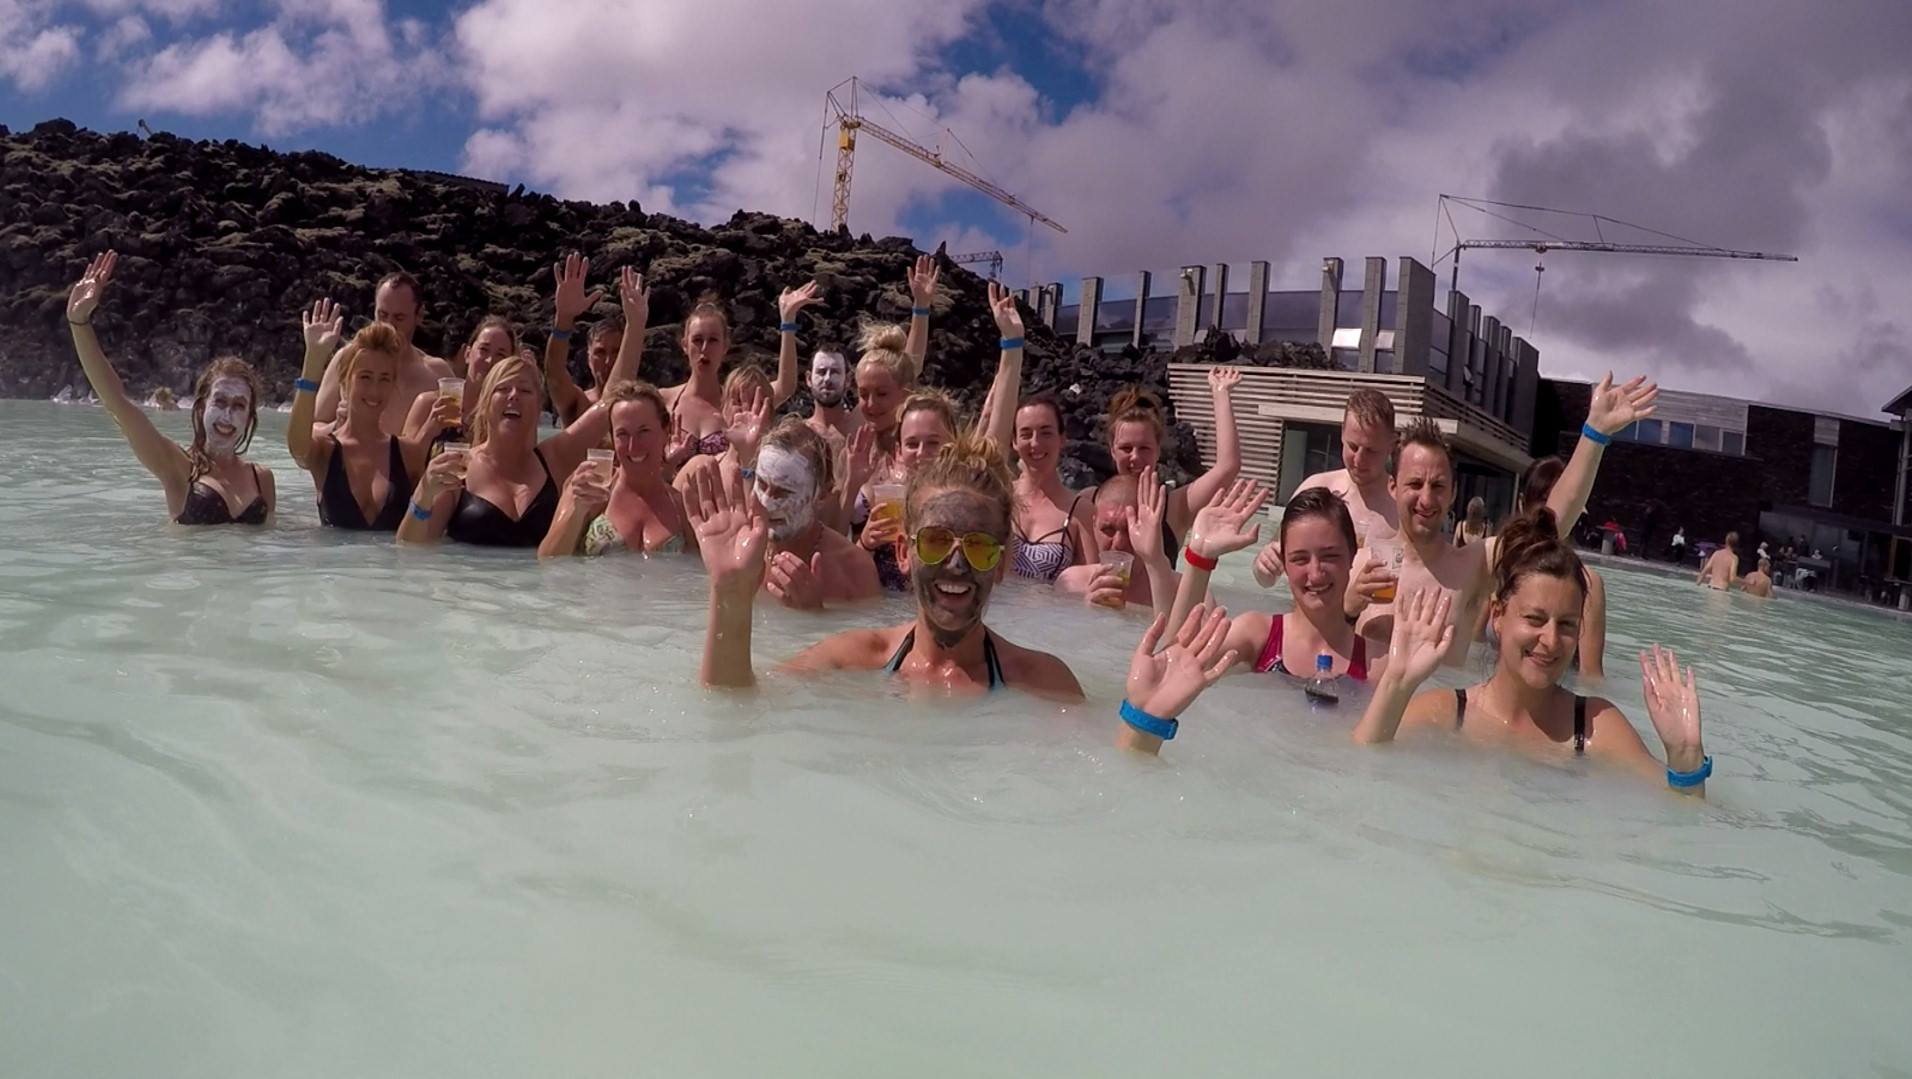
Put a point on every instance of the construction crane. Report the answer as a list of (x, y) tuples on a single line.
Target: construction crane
[(849, 120), (993, 258)]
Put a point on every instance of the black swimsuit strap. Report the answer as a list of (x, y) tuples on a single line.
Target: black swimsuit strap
[(1460, 708), (1579, 723), (990, 660), (903, 651)]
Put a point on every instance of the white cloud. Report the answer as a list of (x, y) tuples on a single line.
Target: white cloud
[(36, 50), (127, 32)]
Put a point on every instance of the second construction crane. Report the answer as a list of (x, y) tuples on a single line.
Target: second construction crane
[(843, 109)]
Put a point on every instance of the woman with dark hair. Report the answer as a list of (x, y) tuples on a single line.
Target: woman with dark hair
[(1536, 486), (1136, 433), (1473, 527), (956, 515), (1539, 592), (210, 482), (1052, 525)]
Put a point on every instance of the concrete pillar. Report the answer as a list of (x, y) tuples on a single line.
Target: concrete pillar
[(1413, 317), (1221, 296), (1188, 304), (1142, 282), (1490, 376), (1526, 387), (1088, 309), (1459, 341), (1022, 297), (1476, 353), (1048, 302), (1905, 467), (1330, 303), (1257, 303), (1376, 283)]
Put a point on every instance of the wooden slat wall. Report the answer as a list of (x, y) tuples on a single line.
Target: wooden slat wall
[(1260, 435)]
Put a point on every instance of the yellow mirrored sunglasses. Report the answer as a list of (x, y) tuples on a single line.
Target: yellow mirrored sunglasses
[(981, 550)]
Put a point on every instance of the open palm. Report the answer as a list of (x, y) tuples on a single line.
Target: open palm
[(571, 299), (1002, 304), (1222, 525), (86, 293), (923, 278), (1422, 632), (793, 300), (634, 297), (1145, 517), (731, 531), (1612, 407), (322, 326), (1166, 683), (1672, 702)]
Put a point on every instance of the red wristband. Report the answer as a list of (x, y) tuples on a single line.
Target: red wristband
[(1206, 565)]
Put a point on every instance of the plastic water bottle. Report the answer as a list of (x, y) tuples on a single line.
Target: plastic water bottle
[(1324, 689)]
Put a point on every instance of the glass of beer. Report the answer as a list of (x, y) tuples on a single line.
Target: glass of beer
[(1122, 564), (886, 502), (1387, 553), (602, 460)]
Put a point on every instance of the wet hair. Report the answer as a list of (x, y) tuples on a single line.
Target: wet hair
[(743, 377), (604, 327), (793, 435), (1422, 432), (224, 367), (1318, 502), (493, 322), (932, 401), (1136, 405), (1046, 400), (883, 346), (503, 369), (400, 277), (1476, 510), (626, 390), (707, 307), (1537, 483), (973, 462), (1372, 408), (372, 337), (1531, 544)]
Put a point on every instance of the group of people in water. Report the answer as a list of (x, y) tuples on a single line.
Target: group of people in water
[(900, 492)]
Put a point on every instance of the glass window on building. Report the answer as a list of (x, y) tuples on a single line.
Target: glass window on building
[(1733, 442), (1649, 432), (1307, 448), (1679, 435), (1825, 461), (1706, 437)]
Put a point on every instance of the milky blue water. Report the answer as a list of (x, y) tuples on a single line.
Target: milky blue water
[(295, 803)]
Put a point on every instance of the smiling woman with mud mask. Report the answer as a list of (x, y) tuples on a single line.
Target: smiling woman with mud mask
[(956, 514), (209, 483)]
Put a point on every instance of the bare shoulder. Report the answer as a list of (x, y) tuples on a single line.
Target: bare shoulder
[(1432, 707), (1076, 578), (851, 650), (1609, 729), (1036, 672), (436, 365), (1336, 481)]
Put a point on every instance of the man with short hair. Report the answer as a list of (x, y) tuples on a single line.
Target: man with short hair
[(400, 304), (1760, 581), (568, 399), (1722, 568), (833, 418), (1367, 441)]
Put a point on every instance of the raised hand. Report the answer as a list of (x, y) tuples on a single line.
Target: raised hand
[(1166, 683), (86, 293), (745, 423), (1222, 526), (796, 583), (634, 298), (447, 412), (1002, 304), (923, 278), (587, 493), (1223, 379), (1422, 632), (1612, 407), (570, 300), (1673, 703), (793, 300), (322, 327), (1145, 518), (1267, 560), (681, 446), (861, 458), (731, 531)]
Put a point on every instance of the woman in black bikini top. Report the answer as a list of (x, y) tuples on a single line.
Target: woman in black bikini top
[(358, 444), (201, 481)]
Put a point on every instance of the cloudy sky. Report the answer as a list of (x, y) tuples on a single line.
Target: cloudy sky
[(1160, 133)]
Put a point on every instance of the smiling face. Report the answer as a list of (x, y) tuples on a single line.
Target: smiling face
[(1135, 448), (1038, 437), (1315, 556), (374, 377), (491, 345), (923, 436), (829, 379), (879, 396), (512, 408), (1364, 450), (1539, 626), (397, 306), (1423, 489), (638, 435), (228, 411), (705, 342), (952, 595)]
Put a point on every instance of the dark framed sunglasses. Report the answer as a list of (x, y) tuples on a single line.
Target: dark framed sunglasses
[(982, 551)]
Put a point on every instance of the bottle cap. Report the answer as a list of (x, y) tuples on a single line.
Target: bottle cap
[(1324, 663)]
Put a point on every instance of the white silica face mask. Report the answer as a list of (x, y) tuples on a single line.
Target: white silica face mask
[(789, 513), (829, 378), (227, 404)]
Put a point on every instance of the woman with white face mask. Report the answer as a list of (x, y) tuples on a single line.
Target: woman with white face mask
[(210, 482), (807, 564)]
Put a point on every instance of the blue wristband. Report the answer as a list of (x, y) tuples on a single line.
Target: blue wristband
[(1148, 724), (420, 513), (1008, 343), (1593, 435), (786, 327), (305, 385), (1682, 780), (746, 472), (919, 312), (560, 335)]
